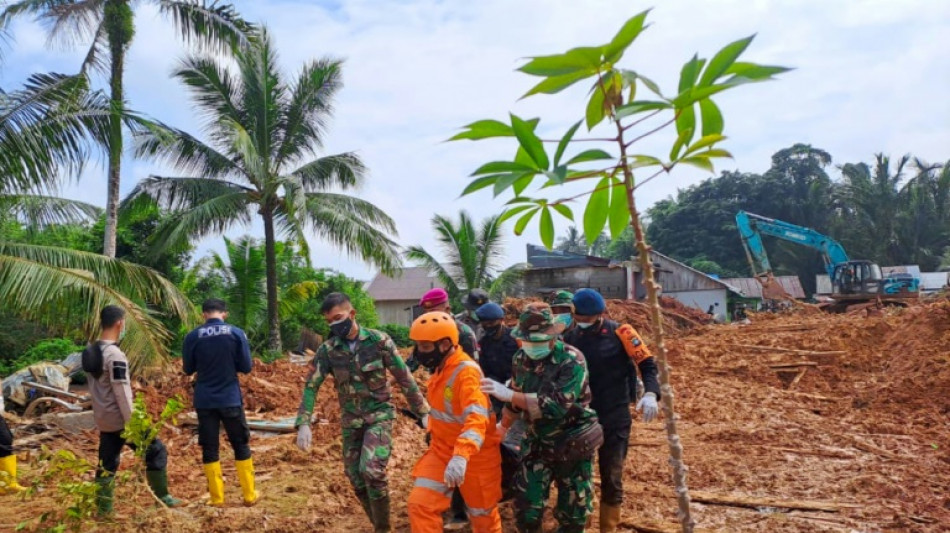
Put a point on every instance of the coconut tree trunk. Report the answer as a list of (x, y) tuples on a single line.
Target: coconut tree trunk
[(118, 18), (270, 255), (656, 315)]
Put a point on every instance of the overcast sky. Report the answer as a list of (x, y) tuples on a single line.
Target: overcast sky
[(871, 76)]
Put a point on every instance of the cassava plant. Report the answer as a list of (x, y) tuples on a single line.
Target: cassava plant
[(611, 168), (75, 493)]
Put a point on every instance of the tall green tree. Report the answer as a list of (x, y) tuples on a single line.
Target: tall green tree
[(46, 131), (616, 96), (107, 27), (472, 251), (260, 163)]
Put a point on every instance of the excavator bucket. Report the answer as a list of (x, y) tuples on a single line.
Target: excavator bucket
[(773, 290)]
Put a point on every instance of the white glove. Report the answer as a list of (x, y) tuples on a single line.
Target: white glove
[(424, 421), (304, 437), (648, 406), (493, 388), (455, 471)]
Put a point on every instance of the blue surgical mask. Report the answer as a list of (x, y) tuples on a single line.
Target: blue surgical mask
[(536, 350), (564, 318), (122, 333)]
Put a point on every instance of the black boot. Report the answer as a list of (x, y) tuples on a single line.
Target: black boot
[(380, 509), (367, 508)]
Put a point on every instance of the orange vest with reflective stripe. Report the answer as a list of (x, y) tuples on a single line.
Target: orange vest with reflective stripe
[(461, 421)]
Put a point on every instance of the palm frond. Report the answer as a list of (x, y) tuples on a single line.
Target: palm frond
[(44, 283), (263, 95), (184, 152), (420, 256), (357, 226), (247, 269), (37, 211), (69, 21), (491, 247), (507, 281), (293, 298), (212, 25), (341, 170), (215, 91), (304, 118), (48, 128), (200, 207)]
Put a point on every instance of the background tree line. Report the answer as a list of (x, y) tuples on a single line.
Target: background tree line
[(891, 211)]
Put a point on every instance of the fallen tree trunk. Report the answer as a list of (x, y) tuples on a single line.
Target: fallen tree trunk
[(754, 502)]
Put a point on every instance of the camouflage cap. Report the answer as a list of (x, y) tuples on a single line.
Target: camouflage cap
[(562, 299), (536, 323)]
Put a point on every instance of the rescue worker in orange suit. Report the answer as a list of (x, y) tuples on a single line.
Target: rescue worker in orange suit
[(464, 449), (611, 351)]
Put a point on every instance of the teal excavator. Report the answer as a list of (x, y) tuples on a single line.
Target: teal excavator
[(852, 281)]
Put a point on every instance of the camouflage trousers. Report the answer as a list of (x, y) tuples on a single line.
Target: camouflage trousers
[(366, 452), (575, 493)]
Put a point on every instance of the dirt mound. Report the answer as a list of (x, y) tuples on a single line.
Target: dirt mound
[(677, 318)]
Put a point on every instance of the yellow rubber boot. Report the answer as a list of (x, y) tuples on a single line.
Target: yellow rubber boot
[(215, 483), (8, 483), (609, 518), (245, 472)]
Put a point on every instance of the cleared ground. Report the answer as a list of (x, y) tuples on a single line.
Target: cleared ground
[(841, 411)]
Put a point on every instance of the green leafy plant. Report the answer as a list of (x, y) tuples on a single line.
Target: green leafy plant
[(399, 334), (141, 429), (75, 492), (45, 350), (632, 107)]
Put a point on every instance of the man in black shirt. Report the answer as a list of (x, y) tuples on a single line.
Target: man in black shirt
[(611, 351)]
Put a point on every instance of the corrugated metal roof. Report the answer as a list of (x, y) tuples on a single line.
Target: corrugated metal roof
[(751, 288), (411, 284)]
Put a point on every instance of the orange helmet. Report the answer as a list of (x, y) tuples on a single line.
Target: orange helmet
[(434, 327)]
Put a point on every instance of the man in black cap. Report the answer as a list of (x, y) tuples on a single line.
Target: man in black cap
[(611, 351), (475, 299)]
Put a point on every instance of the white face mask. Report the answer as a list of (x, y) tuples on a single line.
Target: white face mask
[(584, 325), (122, 333)]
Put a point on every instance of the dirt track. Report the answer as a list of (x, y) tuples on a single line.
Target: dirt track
[(866, 425)]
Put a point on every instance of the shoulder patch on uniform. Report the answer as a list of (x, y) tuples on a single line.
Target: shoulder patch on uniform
[(120, 371)]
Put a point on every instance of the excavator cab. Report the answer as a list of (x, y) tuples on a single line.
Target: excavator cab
[(857, 277)]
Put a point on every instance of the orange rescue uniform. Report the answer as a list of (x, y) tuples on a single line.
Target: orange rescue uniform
[(461, 423)]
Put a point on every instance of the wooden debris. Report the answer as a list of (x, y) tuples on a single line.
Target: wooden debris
[(831, 454), (798, 377), (649, 526), (794, 365), (813, 396), (753, 502), (786, 350)]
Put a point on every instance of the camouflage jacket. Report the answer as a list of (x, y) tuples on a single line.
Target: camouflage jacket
[(361, 382), (558, 394)]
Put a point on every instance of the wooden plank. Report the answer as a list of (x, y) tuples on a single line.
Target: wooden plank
[(650, 526), (786, 350), (798, 377), (755, 502), (54, 391), (831, 454), (795, 364), (812, 396)]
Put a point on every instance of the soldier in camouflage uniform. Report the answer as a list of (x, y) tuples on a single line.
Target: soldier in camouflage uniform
[(549, 390), (358, 359), (562, 306)]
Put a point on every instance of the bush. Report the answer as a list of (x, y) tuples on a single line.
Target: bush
[(45, 350), (400, 334)]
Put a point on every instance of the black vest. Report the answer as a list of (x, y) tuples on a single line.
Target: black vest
[(610, 369)]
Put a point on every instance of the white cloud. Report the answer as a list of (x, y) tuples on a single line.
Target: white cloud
[(870, 76)]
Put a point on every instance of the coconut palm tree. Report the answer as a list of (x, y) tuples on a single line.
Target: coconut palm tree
[(260, 163), (107, 27), (46, 129), (472, 253)]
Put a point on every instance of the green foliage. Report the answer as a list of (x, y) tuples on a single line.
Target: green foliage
[(74, 492), (472, 253), (141, 429), (399, 334), (45, 350), (259, 163), (613, 95)]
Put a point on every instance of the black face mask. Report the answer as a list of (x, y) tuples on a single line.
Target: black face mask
[(430, 360), (342, 329), (492, 330)]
